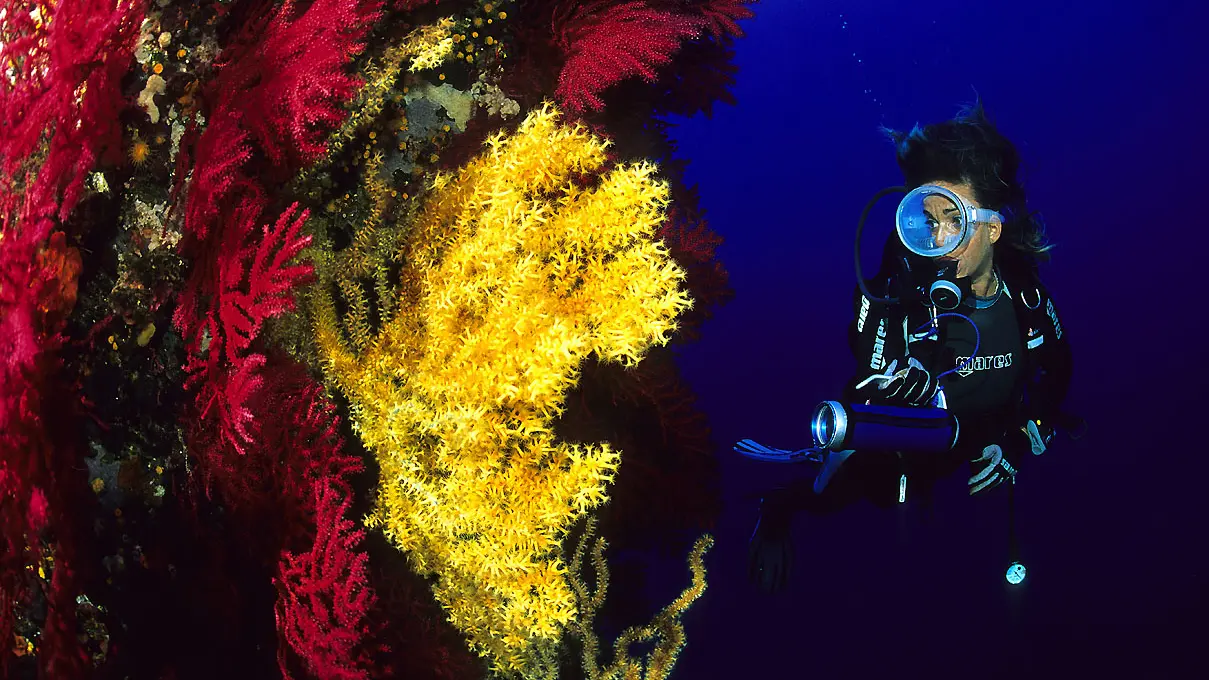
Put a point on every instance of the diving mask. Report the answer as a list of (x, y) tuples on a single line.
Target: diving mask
[(934, 222)]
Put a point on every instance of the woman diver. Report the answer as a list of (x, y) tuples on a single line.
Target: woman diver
[(956, 318)]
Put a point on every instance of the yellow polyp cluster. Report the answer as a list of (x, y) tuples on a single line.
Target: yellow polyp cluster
[(512, 275), (431, 45), (374, 243)]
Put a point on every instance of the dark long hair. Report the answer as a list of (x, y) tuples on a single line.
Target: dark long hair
[(969, 149)]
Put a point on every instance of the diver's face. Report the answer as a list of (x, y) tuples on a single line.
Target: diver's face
[(974, 257)]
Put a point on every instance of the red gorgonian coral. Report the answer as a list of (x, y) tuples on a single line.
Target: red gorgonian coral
[(262, 432), (606, 42), (323, 598), (280, 88), (722, 16), (67, 60), (254, 280), (285, 79), (61, 97), (269, 489)]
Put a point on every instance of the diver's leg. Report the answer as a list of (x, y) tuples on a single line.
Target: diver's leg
[(871, 475), (867, 475)]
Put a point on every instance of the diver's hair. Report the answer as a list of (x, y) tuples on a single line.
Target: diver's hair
[(970, 150)]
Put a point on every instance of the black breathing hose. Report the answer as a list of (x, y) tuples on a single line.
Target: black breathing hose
[(860, 227)]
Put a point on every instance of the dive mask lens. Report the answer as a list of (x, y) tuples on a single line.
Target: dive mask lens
[(931, 221)]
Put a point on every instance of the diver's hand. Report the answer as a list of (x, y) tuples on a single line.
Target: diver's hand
[(990, 470), (911, 384), (770, 551)]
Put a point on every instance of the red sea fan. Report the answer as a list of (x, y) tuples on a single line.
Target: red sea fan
[(279, 89), (323, 598), (606, 43), (62, 100), (254, 282), (220, 156), (226, 391), (302, 445), (266, 441), (701, 75), (67, 61), (21, 340), (290, 85), (269, 489), (694, 246), (722, 16), (251, 292)]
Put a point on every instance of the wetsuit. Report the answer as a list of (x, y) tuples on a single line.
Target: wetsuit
[(1022, 372)]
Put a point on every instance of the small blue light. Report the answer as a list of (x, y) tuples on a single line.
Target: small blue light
[(1015, 573)]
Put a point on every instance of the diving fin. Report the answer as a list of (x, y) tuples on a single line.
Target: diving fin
[(768, 454), (832, 460)]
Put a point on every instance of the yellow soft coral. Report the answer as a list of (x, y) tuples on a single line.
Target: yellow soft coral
[(665, 630), (513, 275), (431, 45)]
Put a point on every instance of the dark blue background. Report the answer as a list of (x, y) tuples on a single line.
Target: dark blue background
[(1106, 102)]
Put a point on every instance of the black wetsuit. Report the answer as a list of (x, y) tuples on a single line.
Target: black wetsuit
[(986, 375), (1021, 372)]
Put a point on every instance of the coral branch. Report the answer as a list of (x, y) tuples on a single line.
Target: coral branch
[(606, 43), (253, 292), (289, 87), (323, 598), (665, 629), (67, 61), (723, 15), (269, 489), (254, 283)]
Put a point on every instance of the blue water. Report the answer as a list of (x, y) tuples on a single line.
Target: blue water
[(1106, 102)]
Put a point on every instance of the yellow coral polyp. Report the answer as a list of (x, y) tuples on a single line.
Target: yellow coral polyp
[(513, 276), (140, 151), (431, 46)]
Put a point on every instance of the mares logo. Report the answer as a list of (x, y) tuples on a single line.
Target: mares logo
[(983, 364), (1053, 316), (860, 319), (879, 346)]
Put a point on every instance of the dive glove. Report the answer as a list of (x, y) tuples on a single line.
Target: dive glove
[(998, 462), (910, 385), (990, 469)]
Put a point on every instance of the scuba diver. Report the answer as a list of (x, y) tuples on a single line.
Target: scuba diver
[(962, 360)]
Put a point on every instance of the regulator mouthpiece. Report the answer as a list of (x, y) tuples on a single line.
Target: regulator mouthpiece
[(947, 291)]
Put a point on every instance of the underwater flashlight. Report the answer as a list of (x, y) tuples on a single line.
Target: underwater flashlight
[(836, 427)]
